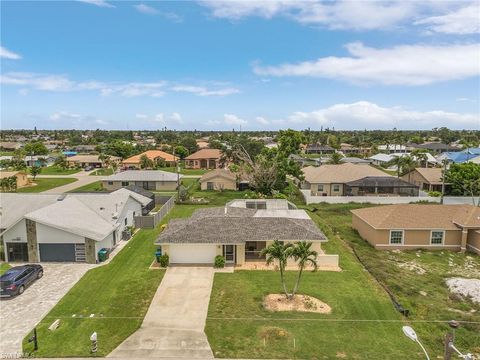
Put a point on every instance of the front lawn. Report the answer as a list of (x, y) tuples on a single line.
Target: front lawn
[(218, 198), (92, 187), (44, 184), (102, 172), (184, 171), (4, 267), (118, 293), (55, 170)]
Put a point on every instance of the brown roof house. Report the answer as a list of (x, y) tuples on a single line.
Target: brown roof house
[(89, 160), (428, 179), (22, 178), (354, 180), (156, 156), (204, 159), (416, 226), (219, 179)]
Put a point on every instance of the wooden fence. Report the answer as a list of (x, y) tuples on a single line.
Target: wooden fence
[(151, 220)]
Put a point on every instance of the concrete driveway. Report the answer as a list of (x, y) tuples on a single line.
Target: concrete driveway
[(19, 315), (83, 178), (174, 324)]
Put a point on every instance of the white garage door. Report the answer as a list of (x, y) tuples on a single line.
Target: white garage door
[(192, 254)]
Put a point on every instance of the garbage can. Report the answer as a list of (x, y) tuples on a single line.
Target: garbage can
[(158, 253), (102, 255)]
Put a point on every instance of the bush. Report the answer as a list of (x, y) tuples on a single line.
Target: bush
[(164, 260), (219, 262), (435, 193)]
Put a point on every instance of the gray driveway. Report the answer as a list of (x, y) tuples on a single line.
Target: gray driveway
[(83, 178), (174, 324), (19, 315)]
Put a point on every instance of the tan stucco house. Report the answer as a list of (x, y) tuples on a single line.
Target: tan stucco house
[(415, 226), (153, 180), (428, 179), (89, 160), (219, 179), (204, 159), (22, 178), (134, 162)]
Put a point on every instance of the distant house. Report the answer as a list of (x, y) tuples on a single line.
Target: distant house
[(154, 180), (319, 149), (202, 144), (204, 159), (88, 160), (218, 179), (83, 148), (436, 147), (39, 160), (10, 146), (414, 226), (428, 179), (303, 161), (134, 162), (353, 180), (22, 178), (348, 149), (467, 155), (356, 160), (393, 148)]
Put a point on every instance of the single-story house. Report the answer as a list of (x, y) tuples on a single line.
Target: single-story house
[(10, 146), (393, 148), (204, 159), (420, 226), (356, 160), (239, 231), (467, 155), (39, 160), (303, 161), (89, 160), (66, 228), (332, 180), (436, 147), (219, 179), (83, 148), (380, 186), (427, 179), (156, 156), (350, 149), (22, 177), (319, 149), (156, 180)]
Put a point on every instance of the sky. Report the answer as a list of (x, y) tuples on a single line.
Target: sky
[(250, 65)]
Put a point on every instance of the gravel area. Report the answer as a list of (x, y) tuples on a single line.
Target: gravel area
[(466, 287)]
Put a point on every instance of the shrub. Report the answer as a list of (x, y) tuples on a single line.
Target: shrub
[(219, 261), (435, 193), (164, 260)]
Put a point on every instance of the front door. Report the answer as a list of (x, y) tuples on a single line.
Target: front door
[(229, 253)]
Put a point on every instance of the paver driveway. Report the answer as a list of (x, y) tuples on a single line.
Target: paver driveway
[(174, 324), (19, 315)]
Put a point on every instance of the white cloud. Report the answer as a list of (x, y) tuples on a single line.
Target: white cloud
[(99, 3), (231, 119), (203, 91), (262, 120), (176, 117), (465, 20), (363, 114), (400, 65), (141, 116), (69, 120), (145, 9), (7, 54)]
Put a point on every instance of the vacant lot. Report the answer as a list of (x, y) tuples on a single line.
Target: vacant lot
[(55, 170), (92, 187), (45, 184)]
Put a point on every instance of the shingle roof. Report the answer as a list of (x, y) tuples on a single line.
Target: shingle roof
[(218, 173), (416, 216), (238, 225), (152, 155), (205, 154), (432, 175), (143, 175), (339, 173)]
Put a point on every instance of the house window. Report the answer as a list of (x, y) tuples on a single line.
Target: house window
[(210, 186), (319, 187), (124, 183), (436, 237), (396, 236), (110, 183), (336, 188)]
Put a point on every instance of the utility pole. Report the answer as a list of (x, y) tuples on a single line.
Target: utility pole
[(178, 175)]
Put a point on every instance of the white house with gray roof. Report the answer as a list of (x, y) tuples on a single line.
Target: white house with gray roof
[(156, 180), (66, 228)]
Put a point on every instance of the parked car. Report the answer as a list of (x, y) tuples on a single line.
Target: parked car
[(89, 168), (15, 280)]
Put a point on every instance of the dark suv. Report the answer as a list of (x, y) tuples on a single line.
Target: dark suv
[(17, 279)]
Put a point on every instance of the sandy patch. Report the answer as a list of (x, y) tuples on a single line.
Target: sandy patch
[(305, 303), (412, 266), (465, 287)]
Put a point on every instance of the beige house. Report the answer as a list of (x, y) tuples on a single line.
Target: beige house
[(153, 180), (134, 162), (353, 180), (415, 226), (428, 179), (89, 160), (218, 179), (22, 178), (204, 159)]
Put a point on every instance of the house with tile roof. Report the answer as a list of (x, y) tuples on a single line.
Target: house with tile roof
[(204, 159), (156, 156), (415, 226)]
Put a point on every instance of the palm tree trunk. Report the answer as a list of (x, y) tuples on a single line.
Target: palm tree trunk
[(298, 281), (282, 277)]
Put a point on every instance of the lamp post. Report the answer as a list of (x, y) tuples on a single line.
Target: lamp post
[(412, 335), (449, 343)]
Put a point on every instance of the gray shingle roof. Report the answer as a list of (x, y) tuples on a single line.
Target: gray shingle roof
[(238, 225), (143, 175)]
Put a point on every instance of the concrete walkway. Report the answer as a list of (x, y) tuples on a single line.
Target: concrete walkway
[(83, 178), (174, 324)]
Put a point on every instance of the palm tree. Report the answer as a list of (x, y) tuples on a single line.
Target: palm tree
[(145, 162), (301, 252), (408, 164), (279, 252), (336, 158), (398, 162), (420, 155)]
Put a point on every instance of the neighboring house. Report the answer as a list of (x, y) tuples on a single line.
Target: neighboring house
[(202, 144), (83, 148), (134, 162), (89, 160), (356, 160), (415, 226), (467, 155), (22, 177), (319, 149), (303, 161), (239, 231), (332, 180), (204, 159), (10, 146), (393, 148), (66, 228), (436, 147), (39, 160), (347, 149), (380, 159), (427, 179), (219, 179), (155, 180)]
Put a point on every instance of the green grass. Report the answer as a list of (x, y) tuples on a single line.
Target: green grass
[(55, 170), (102, 172), (218, 198), (45, 184), (189, 182), (4, 267), (92, 187), (118, 293)]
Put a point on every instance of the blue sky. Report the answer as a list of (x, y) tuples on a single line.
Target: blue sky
[(218, 65)]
